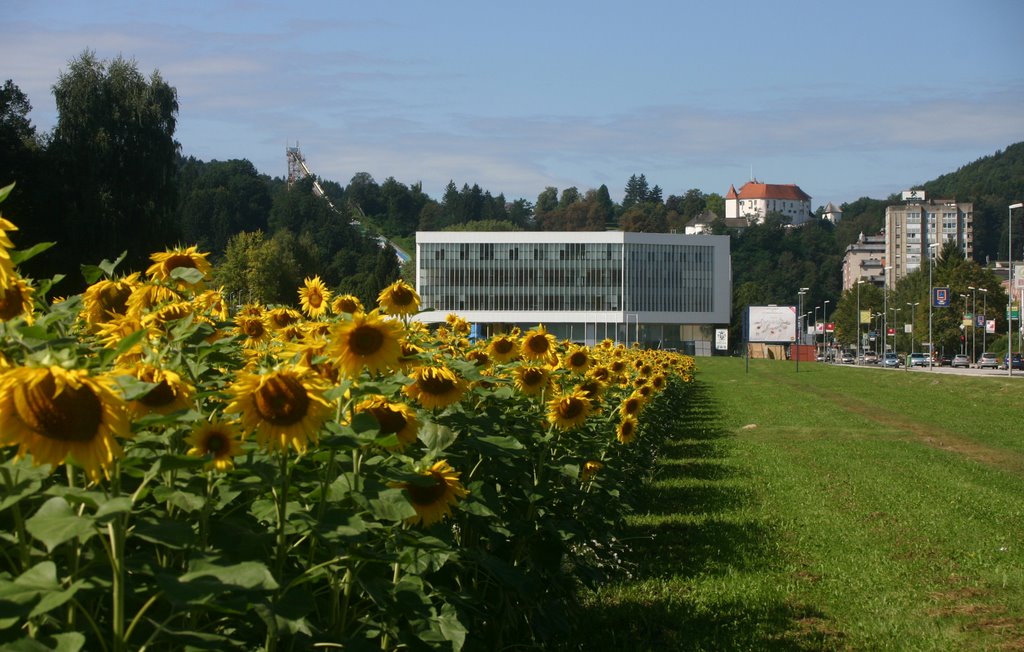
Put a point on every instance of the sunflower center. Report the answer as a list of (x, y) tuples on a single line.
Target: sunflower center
[(315, 299), (10, 303), (162, 394), (538, 344), (631, 406), (627, 428), (73, 414), (390, 421), (179, 260), (365, 340), (114, 298), (401, 297), (503, 346), (216, 443), (578, 359), (428, 494), (349, 306), (571, 408), (533, 377), (254, 329), (436, 384), (282, 400)]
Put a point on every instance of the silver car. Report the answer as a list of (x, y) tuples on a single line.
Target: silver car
[(988, 361)]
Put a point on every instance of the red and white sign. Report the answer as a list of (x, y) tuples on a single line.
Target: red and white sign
[(830, 327)]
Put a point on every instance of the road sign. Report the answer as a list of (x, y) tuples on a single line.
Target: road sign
[(941, 297)]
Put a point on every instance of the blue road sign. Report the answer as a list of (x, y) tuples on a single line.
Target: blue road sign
[(941, 297)]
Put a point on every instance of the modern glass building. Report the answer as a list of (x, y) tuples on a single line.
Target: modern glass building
[(658, 289)]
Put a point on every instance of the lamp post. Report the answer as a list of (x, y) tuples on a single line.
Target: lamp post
[(1009, 293), (799, 311), (931, 300), (974, 320), (860, 282), (816, 309), (962, 327), (824, 327), (894, 311), (885, 310), (913, 313), (984, 319)]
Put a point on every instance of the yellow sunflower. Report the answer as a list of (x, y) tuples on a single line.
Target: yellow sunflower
[(52, 413), (458, 325), (166, 262), (347, 303), (253, 329), (212, 304), (435, 387), (626, 430), (6, 264), (632, 404), (217, 441), (538, 344), (106, 299), (284, 408), (569, 411), (532, 380), (394, 418), (147, 296), (162, 317), (503, 348), (367, 340), (577, 359), (283, 317), (434, 496), (16, 299), (170, 393), (590, 469), (314, 297), (399, 298), (592, 387)]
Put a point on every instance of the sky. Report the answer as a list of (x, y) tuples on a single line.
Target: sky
[(846, 100)]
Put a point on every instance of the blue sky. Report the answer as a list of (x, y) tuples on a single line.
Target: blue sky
[(844, 99)]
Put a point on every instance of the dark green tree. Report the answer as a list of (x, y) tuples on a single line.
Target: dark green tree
[(114, 154)]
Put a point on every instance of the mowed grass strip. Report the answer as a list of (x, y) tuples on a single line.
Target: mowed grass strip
[(834, 508)]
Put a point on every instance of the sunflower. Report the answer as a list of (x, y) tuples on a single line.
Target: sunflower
[(631, 405), (368, 341), (538, 344), (569, 411), (283, 317), (394, 419), (577, 359), (503, 348), (6, 264), (52, 413), (212, 304), (478, 357), (347, 303), (218, 442), (169, 394), (285, 407), (254, 330), (532, 379), (458, 325), (626, 430), (399, 298), (314, 297), (162, 317), (435, 387), (592, 387), (106, 299), (645, 390), (590, 469), (433, 497), (165, 262), (146, 296), (16, 299), (658, 381)]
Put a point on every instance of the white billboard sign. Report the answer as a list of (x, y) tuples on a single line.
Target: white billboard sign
[(721, 339), (771, 324)]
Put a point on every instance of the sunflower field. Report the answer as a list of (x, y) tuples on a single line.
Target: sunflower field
[(178, 473)]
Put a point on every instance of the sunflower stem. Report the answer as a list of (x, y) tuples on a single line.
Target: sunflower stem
[(116, 532)]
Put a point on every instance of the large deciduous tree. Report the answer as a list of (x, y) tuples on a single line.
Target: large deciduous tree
[(114, 156)]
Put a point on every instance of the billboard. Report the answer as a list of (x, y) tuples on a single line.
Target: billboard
[(771, 324)]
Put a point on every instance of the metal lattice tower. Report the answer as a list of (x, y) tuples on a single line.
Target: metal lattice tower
[(296, 164)]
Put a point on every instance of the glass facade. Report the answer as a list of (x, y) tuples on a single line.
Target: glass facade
[(566, 276)]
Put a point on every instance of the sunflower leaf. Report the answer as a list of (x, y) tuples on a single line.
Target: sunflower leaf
[(391, 505), (56, 522), (247, 575), (437, 437), (189, 275), (21, 255)]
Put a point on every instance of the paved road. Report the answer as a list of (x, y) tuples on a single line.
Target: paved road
[(960, 371)]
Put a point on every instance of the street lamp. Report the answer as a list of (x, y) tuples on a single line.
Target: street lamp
[(984, 319), (974, 321), (962, 327), (860, 282), (816, 309), (824, 327), (799, 311), (913, 313), (894, 311), (1009, 294), (885, 310), (931, 300)]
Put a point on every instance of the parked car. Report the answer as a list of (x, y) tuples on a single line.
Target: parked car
[(988, 360), (961, 360), (846, 358), (870, 358), (918, 360), (943, 360), (1018, 363), (891, 359)]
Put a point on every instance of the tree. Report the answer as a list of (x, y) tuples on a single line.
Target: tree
[(258, 269), (114, 151), (219, 199), (20, 162), (636, 191)]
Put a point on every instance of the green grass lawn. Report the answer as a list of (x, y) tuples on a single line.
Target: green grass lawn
[(831, 509)]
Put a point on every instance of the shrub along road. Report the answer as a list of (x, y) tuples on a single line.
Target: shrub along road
[(828, 510)]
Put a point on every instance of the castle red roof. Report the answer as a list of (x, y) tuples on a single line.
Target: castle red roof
[(732, 192), (755, 190)]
